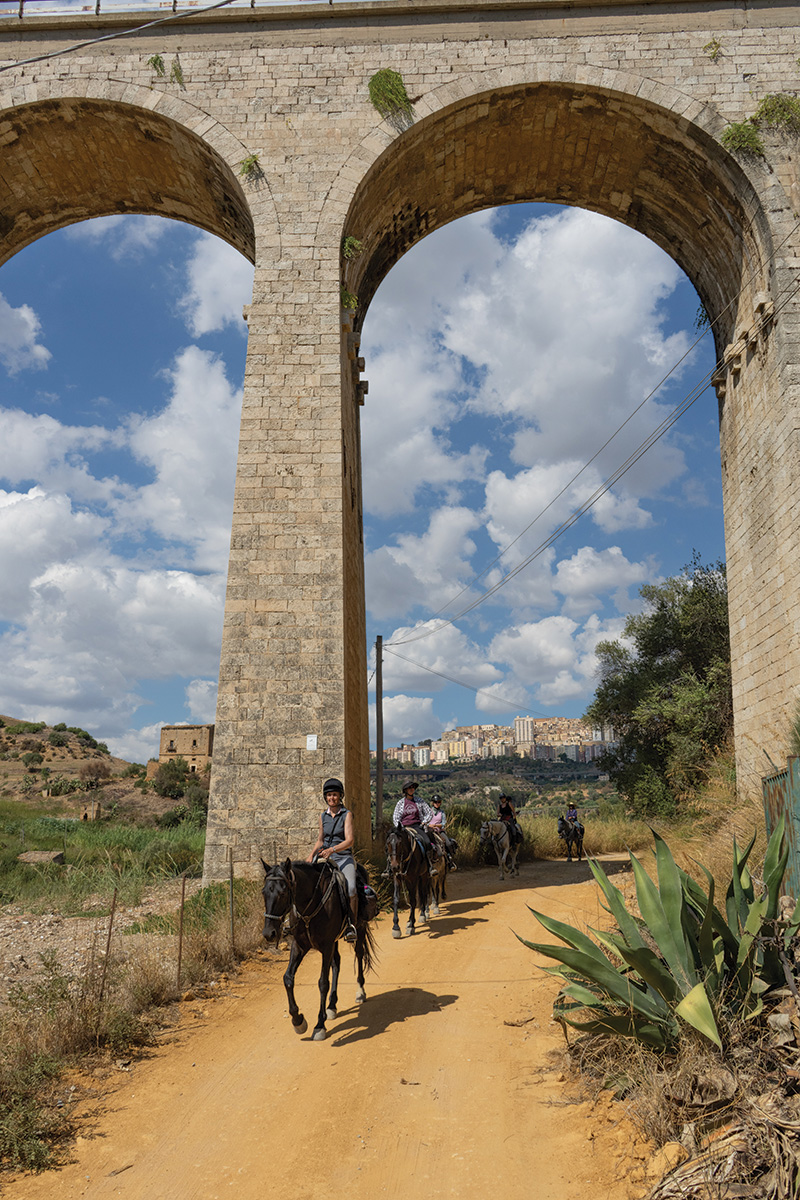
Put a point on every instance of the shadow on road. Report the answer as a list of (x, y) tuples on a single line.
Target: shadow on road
[(485, 881), (379, 1013), (452, 917)]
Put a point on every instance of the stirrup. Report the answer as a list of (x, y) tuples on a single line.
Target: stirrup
[(350, 934)]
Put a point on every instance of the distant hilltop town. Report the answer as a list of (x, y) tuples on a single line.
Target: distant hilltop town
[(543, 738)]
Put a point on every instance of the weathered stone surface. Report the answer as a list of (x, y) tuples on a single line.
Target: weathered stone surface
[(615, 106), (41, 856)]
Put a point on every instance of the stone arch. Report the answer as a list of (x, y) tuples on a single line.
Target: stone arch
[(649, 156), (122, 148), (615, 142)]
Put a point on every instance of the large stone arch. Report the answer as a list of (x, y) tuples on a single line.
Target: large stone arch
[(649, 156), (614, 142), (123, 148)]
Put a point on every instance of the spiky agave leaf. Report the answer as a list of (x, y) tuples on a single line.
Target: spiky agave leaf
[(696, 1010), (666, 927)]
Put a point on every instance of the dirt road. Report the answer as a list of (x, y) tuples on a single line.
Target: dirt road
[(446, 1082)]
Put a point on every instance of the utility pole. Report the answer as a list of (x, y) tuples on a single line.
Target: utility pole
[(379, 731)]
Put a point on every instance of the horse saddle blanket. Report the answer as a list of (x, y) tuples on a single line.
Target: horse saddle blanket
[(367, 902)]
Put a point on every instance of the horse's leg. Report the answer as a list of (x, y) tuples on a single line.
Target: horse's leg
[(411, 889), (320, 1032), (396, 933), (423, 893), (333, 995), (297, 955), (361, 930), (501, 858), (435, 891)]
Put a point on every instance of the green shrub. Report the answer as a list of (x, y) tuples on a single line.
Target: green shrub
[(388, 95), (779, 111), (742, 137)]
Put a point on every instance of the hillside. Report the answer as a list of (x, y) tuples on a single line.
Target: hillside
[(69, 770)]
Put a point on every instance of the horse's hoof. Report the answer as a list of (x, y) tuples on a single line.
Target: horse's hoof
[(318, 1035), (301, 1027), (330, 1013), (410, 931), (436, 910), (396, 933), (361, 996)]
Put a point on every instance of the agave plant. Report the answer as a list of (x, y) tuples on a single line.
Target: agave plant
[(681, 961)]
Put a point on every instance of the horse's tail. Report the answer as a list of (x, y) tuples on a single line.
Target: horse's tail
[(370, 949)]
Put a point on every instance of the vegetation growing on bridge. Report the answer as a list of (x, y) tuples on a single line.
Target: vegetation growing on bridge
[(389, 96)]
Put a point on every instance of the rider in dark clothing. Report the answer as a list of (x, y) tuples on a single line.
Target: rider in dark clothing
[(334, 844), (508, 813)]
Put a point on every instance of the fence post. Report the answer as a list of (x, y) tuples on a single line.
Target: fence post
[(230, 896), (180, 932)]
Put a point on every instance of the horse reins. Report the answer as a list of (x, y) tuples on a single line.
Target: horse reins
[(403, 862), (304, 916)]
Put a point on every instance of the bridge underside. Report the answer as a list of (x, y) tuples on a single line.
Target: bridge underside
[(618, 109), (70, 159)]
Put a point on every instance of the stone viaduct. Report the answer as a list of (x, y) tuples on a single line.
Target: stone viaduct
[(617, 106)]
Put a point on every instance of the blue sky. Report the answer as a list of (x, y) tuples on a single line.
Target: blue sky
[(502, 352)]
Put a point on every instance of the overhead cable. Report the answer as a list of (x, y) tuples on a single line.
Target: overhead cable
[(600, 491), (107, 37), (608, 441), (479, 691)]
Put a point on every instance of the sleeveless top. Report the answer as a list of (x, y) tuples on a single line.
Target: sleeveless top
[(333, 833), (505, 813)]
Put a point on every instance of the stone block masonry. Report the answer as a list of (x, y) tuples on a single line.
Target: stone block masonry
[(615, 106)]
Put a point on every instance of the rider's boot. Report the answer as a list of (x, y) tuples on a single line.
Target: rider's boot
[(350, 934)]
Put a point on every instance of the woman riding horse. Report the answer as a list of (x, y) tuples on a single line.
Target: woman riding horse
[(415, 816), (508, 813), (334, 844)]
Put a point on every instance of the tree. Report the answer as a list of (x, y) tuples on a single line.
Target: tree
[(94, 772), (170, 778), (665, 687)]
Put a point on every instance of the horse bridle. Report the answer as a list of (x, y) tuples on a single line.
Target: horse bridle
[(303, 916), (403, 862), (496, 840)]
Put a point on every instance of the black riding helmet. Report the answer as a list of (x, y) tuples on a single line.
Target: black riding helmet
[(333, 785), (410, 783)]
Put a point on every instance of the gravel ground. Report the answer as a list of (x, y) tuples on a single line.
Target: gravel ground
[(24, 937)]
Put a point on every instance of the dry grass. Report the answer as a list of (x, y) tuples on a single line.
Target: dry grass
[(108, 1006)]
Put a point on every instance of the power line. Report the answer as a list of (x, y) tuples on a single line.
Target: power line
[(107, 37), (478, 691), (614, 478), (599, 492)]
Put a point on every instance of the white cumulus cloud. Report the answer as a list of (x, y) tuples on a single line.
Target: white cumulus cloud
[(19, 332)]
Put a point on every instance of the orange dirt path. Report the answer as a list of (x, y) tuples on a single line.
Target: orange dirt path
[(446, 1082)]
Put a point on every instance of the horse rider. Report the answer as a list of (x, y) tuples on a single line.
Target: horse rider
[(572, 817), (436, 826), (334, 844), (415, 816), (508, 813)]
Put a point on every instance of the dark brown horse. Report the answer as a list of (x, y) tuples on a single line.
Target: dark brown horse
[(438, 877), (408, 866), (571, 832), (307, 896)]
